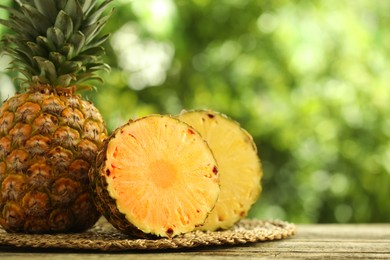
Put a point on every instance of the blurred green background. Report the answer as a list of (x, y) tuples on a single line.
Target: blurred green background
[(308, 79)]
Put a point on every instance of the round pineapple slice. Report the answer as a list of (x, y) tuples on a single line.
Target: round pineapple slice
[(155, 176), (238, 163)]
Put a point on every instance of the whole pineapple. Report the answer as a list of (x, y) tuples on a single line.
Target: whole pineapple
[(49, 136)]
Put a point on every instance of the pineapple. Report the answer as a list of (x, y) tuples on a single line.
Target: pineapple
[(238, 162), (49, 136), (155, 177)]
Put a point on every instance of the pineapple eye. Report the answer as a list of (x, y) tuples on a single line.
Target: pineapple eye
[(79, 169), (169, 232), (19, 133), (38, 145), (5, 145), (60, 158), (27, 112), (211, 116), (17, 159), (36, 203), (73, 117), (52, 105), (39, 174), (6, 122), (66, 136), (65, 190), (92, 130), (45, 123), (72, 101), (215, 170), (13, 186), (87, 150)]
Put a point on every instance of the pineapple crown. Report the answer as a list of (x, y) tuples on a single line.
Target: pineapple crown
[(56, 43)]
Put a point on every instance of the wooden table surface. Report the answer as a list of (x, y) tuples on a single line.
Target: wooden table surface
[(362, 241)]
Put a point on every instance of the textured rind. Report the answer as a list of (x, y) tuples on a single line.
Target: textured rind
[(48, 192), (103, 201)]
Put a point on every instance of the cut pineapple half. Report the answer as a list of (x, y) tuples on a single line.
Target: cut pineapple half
[(157, 175), (238, 163)]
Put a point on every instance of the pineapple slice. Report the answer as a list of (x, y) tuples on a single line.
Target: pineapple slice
[(238, 164), (155, 176)]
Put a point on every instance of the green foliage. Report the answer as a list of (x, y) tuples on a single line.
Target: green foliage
[(308, 79)]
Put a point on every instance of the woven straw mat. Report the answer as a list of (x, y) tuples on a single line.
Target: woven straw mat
[(104, 237)]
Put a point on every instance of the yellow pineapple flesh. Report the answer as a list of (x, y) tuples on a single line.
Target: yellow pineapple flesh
[(49, 136), (155, 176), (238, 163)]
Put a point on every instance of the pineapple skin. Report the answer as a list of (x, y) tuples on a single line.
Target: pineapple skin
[(48, 141)]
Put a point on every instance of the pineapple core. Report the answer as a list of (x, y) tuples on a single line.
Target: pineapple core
[(162, 173)]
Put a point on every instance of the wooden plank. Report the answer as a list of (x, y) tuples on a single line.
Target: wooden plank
[(325, 241), (361, 241)]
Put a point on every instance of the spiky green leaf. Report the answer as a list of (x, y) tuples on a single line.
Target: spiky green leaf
[(97, 14), (47, 69), (47, 8), (24, 30), (69, 67), (65, 24), (60, 4), (94, 51), (45, 43), (68, 50), (89, 76), (57, 58), (73, 9), (36, 50), (98, 41), (55, 36), (87, 5), (65, 80), (56, 42), (78, 41), (39, 21)]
